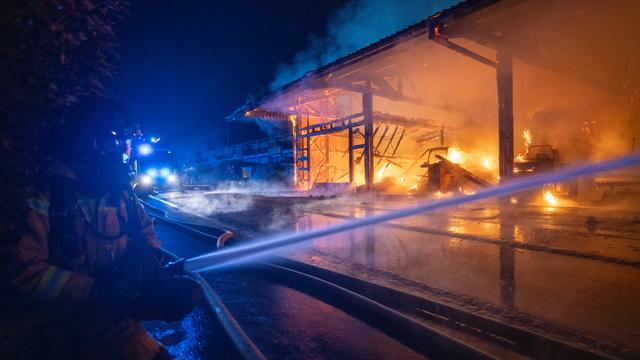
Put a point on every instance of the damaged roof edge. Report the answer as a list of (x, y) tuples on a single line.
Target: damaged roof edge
[(457, 11)]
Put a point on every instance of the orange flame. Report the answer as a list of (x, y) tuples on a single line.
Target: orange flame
[(526, 134), (455, 155), (550, 199), (486, 163)]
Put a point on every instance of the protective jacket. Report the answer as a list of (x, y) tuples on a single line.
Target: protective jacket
[(65, 273)]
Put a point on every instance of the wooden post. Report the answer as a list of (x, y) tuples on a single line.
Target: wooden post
[(294, 135), (367, 111), (504, 74), (351, 175), (308, 146)]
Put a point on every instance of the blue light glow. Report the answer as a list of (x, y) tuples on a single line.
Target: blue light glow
[(146, 180), (152, 172), (145, 149)]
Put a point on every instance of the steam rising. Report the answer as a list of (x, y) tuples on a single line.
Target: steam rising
[(356, 25), (228, 197), (204, 205), (271, 245)]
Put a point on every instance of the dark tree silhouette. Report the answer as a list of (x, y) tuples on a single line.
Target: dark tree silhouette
[(53, 54)]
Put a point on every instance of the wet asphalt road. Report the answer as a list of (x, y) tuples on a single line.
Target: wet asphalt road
[(570, 266), (198, 336), (282, 322)]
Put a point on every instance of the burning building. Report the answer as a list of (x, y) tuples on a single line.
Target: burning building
[(436, 105)]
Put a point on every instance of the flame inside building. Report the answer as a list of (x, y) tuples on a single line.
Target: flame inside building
[(442, 99)]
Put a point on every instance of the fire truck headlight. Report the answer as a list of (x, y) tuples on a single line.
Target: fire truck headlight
[(145, 149), (146, 180), (152, 172), (165, 172), (172, 179)]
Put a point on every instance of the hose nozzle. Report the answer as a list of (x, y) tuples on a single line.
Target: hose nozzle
[(174, 268)]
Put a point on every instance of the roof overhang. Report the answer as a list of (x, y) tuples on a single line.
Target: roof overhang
[(538, 32)]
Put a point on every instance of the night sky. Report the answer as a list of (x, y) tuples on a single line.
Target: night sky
[(185, 65)]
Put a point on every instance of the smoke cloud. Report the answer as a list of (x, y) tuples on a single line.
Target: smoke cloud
[(223, 203), (227, 197), (355, 25)]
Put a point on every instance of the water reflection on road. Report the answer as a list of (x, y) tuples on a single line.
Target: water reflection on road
[(577, 267), (481, 251)]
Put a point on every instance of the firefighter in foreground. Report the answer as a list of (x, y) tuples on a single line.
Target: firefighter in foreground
[(88, 267)]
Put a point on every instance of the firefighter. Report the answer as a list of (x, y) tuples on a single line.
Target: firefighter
[(87, 267)]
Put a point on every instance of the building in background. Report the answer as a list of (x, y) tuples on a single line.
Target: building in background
[(269, 159)]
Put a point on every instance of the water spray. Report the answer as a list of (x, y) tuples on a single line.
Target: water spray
[(267, 246)]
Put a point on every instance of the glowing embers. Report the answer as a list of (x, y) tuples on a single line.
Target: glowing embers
[(401, 161), (477, 161), (440, 195)]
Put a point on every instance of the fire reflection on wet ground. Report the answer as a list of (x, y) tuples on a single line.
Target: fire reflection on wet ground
[(471, 251), (561, 267)]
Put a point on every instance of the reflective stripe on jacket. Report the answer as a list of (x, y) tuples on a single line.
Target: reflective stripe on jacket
[(40, 278)]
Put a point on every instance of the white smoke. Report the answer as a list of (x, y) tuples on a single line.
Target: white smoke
[(249, 187), (227, 197), (204, 205), (356, 25)]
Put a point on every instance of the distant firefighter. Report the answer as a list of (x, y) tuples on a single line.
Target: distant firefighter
[(86, 266)]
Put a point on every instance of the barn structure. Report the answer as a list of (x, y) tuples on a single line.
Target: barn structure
[(478, 85)]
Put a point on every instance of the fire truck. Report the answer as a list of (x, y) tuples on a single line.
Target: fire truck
[(153, 169)]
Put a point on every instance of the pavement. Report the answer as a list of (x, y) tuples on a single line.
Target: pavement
[(568, 268), (283, 323)]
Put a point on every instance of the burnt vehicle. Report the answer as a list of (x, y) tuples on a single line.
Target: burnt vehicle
[(537, 159), (540, 159)]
